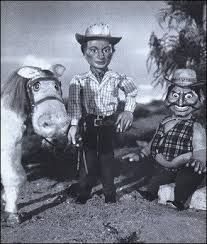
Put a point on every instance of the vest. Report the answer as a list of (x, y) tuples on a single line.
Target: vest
[(176, 141)]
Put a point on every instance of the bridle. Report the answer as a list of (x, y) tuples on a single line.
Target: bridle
[(34, 103)]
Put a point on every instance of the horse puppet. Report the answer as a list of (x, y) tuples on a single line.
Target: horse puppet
[(33, 94)]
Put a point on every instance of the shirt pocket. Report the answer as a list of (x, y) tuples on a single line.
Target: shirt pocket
[(111, 88), (109, 91)]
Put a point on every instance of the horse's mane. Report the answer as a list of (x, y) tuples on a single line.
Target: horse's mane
[(14, 91)]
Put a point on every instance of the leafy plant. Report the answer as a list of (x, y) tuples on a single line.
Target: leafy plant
[(183, 44)]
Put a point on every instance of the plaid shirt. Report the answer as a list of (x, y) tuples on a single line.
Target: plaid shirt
[(99, 98), (175, 142)]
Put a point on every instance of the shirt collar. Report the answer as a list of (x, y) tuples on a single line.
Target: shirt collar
[(99, 75)]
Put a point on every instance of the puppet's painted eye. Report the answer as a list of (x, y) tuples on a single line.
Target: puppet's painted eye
[(107, 50), (175, 95), (36, 86), (188, 96), (92, 51)]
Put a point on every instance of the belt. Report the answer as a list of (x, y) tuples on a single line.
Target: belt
[(99, 120)]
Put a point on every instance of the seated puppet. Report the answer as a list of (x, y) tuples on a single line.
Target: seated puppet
[(178, 148)]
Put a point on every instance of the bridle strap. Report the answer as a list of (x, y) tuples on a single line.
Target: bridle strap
[(52, 144), (45, 99), (31, 97)]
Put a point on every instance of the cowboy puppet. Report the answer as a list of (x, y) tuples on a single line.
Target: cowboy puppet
[(93, 96), (177, 152)]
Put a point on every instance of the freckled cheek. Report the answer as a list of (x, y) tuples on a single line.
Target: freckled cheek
[(172, 99), (89, 58), (191, 101), (108, 59)]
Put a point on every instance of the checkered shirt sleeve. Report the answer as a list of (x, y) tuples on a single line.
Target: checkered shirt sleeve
[(130, 90), (74, 101)]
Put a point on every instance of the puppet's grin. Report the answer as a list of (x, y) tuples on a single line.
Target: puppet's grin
[(181, 109)]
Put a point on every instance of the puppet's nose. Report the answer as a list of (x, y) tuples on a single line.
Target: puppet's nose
[(181, 100), (100, 54)]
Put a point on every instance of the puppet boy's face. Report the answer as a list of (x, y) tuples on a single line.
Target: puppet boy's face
[(98, 53), (182, 101)]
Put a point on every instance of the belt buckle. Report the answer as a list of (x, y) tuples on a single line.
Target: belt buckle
[(98, 121)]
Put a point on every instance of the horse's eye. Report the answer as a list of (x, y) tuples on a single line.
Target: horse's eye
[(56, 87), (36, 86)]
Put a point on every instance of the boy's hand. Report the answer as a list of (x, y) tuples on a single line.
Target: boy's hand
[(199, 166), (72, 134), (124, 121), (132, 157)]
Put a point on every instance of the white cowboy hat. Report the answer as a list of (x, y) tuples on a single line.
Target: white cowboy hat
[(96, 32), (185, 78)]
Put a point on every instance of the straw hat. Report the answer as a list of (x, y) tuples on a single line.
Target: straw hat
[(185, 78), (97, 32)]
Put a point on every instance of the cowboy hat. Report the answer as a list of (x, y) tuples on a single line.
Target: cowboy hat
[(184, 78), (97, 32)]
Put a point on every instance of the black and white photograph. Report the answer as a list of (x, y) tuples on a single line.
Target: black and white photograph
[(103, 121)]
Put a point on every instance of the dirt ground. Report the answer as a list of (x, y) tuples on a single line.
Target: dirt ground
[(49, 215)]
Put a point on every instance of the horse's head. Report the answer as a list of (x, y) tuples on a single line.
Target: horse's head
[(48, 112)]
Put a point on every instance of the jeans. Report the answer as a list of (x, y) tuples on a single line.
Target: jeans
[(99, 154), (185, 179)]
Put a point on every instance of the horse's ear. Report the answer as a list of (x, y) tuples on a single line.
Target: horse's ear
[(58, 69), (202, 96), (28, 72)]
